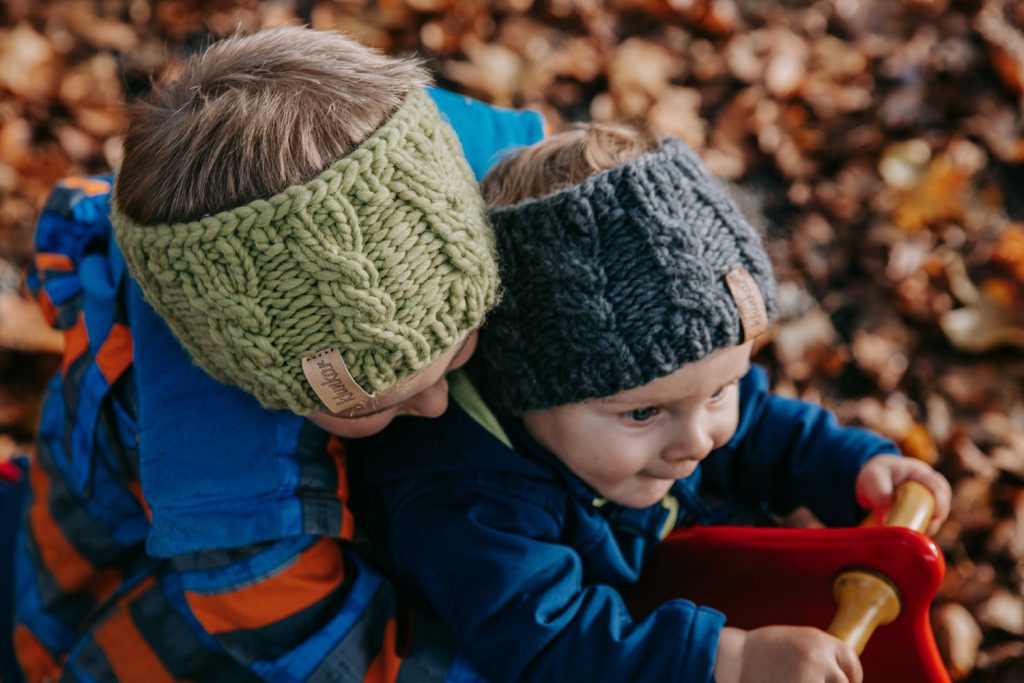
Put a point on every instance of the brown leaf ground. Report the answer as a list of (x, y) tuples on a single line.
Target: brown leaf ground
[(882, 141)]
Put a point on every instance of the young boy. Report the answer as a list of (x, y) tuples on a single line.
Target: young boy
[(617, 366), (295, 209)]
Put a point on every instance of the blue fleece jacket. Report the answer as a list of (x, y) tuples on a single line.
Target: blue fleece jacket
[(523, 561)]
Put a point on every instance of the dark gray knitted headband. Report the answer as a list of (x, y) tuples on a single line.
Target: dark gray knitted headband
[(619, 280)]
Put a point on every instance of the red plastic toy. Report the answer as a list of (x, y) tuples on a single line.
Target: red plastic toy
[(759, 576)]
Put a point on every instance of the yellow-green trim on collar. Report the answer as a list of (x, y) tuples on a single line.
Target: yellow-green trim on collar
[(469, 399)]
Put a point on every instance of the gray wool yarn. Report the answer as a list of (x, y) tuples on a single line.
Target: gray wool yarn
[(615, 282)]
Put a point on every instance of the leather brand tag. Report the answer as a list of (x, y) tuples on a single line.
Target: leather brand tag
[(329, 377), (749, 302)]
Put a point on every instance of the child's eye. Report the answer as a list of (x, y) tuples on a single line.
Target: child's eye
[(720, 394), (642, 414)]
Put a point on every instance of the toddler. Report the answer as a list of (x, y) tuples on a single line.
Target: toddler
[(615, 390)]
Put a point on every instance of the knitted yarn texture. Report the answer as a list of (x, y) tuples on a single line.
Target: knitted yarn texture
[(386, 255), (612, 283)]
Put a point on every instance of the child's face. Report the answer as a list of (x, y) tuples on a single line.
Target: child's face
[(424, 394), (630, 447)]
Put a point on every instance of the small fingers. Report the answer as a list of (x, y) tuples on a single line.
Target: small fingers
[(875, 484), (922, 473), (883, 473), (943, 494), (849, 664)]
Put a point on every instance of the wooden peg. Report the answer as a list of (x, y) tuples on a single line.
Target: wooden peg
[(913, 505), (866, 599)]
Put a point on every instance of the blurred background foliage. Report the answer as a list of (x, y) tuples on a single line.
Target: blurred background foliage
[(882, 142)]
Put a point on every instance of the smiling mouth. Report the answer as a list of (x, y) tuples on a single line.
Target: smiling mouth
[(691, 467)]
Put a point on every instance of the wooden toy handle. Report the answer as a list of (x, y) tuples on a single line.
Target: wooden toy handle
[(866, 599), (912, 507)]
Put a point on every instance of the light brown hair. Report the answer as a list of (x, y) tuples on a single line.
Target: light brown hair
[(253, 115), (564, 159)]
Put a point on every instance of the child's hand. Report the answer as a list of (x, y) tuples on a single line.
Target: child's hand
[(784, 654), (882, 474)]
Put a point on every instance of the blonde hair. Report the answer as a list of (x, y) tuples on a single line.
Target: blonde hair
[(253, 115), (564, 159)]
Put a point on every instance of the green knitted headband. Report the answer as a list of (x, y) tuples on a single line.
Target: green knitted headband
[(386, 257)]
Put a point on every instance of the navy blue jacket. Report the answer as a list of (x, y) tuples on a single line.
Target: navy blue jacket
[(522, 560)]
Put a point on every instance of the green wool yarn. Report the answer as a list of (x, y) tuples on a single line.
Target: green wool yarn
[(386, 255)]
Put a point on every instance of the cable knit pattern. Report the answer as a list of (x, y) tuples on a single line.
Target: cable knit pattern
[(615, 282), (386, 255)]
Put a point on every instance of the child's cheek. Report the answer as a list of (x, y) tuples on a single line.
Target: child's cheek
[(352, 429), (730, 420)]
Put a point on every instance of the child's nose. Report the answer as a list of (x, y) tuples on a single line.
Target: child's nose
[(691, 441), (431, 402)]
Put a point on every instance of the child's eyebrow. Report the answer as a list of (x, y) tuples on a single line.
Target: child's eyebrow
[(735, 379), (614, 398)]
